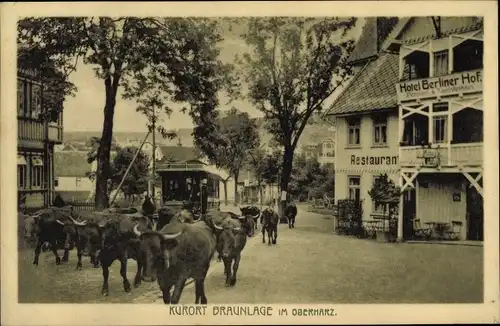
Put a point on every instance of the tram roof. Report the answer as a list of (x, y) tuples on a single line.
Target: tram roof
[(191, 166)]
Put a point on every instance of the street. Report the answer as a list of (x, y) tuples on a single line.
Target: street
[(309, 264)]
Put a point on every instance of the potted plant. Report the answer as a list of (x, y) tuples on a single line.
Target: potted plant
[(384, 192)]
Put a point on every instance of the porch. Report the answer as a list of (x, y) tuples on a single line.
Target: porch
[(443, 206)]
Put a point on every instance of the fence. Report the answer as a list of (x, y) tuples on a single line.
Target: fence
[(81, 205)]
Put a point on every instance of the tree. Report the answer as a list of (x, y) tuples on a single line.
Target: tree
[(160, 60), (385, 192), (136, 181), (295, 65), (256, 164), (238, 134)]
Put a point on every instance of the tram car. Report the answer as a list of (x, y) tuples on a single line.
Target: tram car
[(189, 181)]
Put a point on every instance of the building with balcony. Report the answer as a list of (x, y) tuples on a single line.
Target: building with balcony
[(440, 130), (365, 114), (35, 142)]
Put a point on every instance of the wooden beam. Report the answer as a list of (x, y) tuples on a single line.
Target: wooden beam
[(408, 180), (436, 21), (419, 110), (475, 181)]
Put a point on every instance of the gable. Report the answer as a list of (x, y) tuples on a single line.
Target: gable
[(419, 29)]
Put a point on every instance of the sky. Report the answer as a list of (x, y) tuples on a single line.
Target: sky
[(84, 112)]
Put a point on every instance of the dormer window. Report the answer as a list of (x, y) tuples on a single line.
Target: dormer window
[(468, 55)]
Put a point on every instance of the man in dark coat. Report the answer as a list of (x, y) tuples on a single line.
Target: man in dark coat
[(58, 201)]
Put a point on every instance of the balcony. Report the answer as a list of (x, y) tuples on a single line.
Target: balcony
[(55, 134), (30, 130), (468, 154)]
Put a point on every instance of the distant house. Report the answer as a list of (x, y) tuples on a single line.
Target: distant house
[(327, 152), (70, 171)]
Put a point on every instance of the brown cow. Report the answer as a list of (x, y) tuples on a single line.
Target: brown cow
[(175, 253)]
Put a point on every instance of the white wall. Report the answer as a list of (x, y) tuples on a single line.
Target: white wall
[(344, 166), (71, 184)]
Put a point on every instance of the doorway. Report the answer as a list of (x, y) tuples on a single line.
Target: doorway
[(475, 214), (409, 212)]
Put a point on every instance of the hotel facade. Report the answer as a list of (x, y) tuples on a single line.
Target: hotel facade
[(414, 110), (440, 102), (35, 143)]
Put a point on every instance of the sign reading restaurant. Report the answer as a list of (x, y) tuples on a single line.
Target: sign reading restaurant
[(465, 82)]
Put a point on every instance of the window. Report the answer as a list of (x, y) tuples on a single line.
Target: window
[(468, 56), (78, 182), (440, 63), (468, 126), (416, 65), (21, 100), (415, 131), (56, 182), (354, 188), (21, 172), (36, 171), (36, 101), (380, 130), (440, 129), (354, 127)]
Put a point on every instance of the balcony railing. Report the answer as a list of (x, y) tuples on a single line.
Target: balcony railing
[(30, 130), (456, 155), (55, 133), (33, 130)]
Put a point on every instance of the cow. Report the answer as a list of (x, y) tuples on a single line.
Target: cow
[(119, 242), (252, 211), (290, 213), (232, 240), (269, 220), (175, 253), (219, 220), (53, 224)]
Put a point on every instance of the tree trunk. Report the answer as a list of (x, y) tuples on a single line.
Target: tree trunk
[(260, 195), (103, 166), (286, 173), (225, 192), (236, 199)]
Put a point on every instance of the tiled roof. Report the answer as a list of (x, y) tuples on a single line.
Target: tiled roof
[(372, 89), (178, 153), (366, 46), (71, 164), (374, 32)]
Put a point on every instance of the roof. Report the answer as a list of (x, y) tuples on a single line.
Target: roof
[(178, 153), (372, 88), (366, 46), (426, 31), (71, 164), (374, 32)]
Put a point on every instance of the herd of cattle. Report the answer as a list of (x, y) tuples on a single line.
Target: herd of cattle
[(169, 246)]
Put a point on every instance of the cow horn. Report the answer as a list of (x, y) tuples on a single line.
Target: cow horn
[(136, 230), (256, 215), (101, 225), (78, 223), (218, 227), (241, 217), (237, 229), (171, 236), (62, 223)]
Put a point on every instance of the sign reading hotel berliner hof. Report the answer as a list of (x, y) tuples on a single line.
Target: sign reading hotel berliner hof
[(464, 82), (255, 163)]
